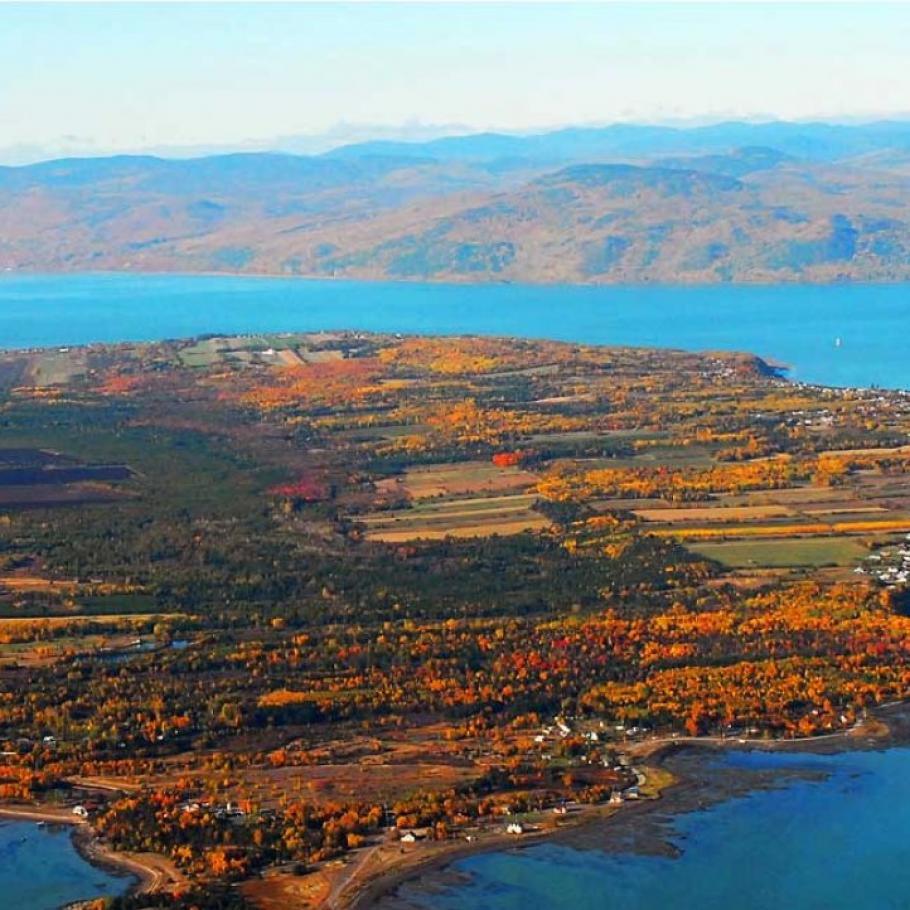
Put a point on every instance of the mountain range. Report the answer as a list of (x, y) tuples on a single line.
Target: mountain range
[(728, 202)]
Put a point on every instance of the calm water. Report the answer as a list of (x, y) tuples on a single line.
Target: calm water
[(795, 324), (839, 844), (41, 870)]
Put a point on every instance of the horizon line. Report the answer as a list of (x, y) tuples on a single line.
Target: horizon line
[(193, 151)]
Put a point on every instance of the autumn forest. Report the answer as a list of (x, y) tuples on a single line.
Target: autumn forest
[(268, 603)]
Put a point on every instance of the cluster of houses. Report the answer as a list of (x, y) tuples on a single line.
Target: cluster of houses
[(228, 810), (558, 728), (561, 729), (868, 403), (891, 567)]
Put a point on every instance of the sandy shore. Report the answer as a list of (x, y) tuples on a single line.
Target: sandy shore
[(40, 814), (152, 872)]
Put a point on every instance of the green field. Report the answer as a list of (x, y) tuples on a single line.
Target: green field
[(780, 554)]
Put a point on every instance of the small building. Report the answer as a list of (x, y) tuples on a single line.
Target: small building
[(81, 811), (515, 828)]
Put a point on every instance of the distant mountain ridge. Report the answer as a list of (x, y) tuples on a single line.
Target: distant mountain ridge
[(816, 141), (729, 202)]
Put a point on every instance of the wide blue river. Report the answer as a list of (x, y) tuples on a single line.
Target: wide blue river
[(842, 843), (41, 870), (838, 335)]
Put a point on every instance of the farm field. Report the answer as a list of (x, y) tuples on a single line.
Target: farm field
[(24, 583), (872, 526), (453, 527), (799, 553), (39, 478), (721, 513), (471, 516), (795, 527), (470, 478), (472, 499)]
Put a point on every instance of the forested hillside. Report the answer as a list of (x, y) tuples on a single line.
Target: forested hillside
[(628, 204)]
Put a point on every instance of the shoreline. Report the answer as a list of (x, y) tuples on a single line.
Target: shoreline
[(641, 826), (680, 795), (453, 281), (149, 876), (689, 783)]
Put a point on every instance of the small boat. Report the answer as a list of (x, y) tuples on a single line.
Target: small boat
[(837, 342)]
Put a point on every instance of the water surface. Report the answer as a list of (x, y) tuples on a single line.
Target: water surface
[(40, 869), (797, 324)]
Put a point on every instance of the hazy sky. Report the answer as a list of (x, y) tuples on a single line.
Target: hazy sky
[(127, 76)]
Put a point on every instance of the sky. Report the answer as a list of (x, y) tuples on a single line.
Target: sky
[(140, 76)]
